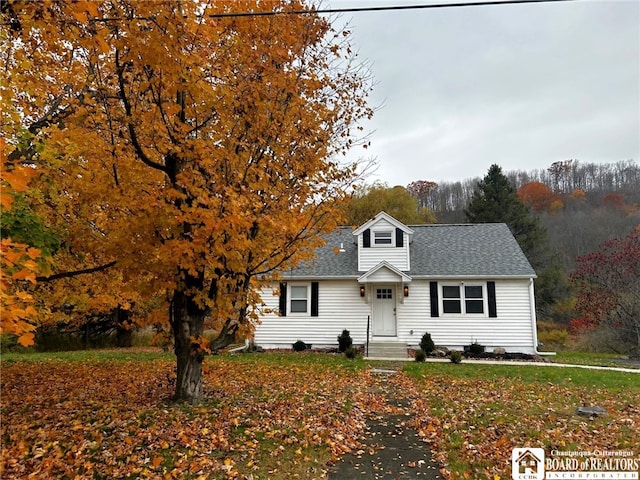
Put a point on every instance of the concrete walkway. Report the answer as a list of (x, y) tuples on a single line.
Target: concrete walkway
[(392, 449), (511, 362)]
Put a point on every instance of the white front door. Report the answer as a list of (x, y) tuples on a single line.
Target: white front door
[(384, 311)]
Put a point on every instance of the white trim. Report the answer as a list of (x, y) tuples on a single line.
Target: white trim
[(534, 322), (392, 290), (403, 277), (391, 244), (382, 216), (453, 278), (462, 299), (290, 286)]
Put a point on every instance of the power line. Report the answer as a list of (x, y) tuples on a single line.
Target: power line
[(379, 9)]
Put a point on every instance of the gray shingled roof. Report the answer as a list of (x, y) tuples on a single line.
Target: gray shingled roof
[(481, 249)]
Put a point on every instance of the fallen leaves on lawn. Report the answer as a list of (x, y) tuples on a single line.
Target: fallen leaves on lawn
[(473, 424), (114, 419)]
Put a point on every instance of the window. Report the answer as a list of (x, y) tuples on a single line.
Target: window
[(451, 299), (462, 299), (383, 238), (299, 299), (384, 293)]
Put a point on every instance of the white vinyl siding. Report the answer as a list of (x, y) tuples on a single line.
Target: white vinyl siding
[(511, 329), (371, 256), (340, 306)]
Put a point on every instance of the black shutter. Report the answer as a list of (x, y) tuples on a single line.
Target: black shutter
[(366, 238), (433, 291), (399, 237), (283, 299), (314, 299), (491, 294)]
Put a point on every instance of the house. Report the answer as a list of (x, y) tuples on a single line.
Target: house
[(390, 282)]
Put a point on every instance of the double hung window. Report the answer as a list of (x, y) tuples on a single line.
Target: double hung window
[(463, 299), (299, 299)]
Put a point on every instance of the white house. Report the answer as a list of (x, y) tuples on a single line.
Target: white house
[(394, 282)]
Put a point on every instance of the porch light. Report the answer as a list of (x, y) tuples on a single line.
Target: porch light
[(362, 290), (406, 290)]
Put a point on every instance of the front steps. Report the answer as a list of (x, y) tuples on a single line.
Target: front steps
[(387, 349)]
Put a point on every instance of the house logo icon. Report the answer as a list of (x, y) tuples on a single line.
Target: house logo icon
[(527, 464)]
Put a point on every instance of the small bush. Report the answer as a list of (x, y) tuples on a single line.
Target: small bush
[(8, 342), (54, 341), (351, 352), (420, 356), (426, 343), (476, 348), (552, 334), (344, 341), (456, 356), (299, 346)]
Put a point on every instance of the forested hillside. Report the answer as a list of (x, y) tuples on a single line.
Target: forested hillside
[(580, 204)]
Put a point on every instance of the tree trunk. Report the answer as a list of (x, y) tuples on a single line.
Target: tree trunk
[(124, 332), (187, 321), (124, 338)]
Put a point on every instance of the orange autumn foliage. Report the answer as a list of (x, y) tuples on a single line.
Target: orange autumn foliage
[(198, 153), (539, 197), (18, 265)]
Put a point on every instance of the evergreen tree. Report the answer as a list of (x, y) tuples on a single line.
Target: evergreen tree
[(495, 200)]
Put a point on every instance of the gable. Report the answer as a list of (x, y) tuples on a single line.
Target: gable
[(384, 272), (380, 221)]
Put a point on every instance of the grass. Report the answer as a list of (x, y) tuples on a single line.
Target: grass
[(286, 415), (568, 377), (136, 354), (588, 358), (476, 414), (274, 416)]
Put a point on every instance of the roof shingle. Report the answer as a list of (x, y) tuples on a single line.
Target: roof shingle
[(465, 250)]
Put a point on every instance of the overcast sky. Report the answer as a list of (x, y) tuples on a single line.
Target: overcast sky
[(522, 86)]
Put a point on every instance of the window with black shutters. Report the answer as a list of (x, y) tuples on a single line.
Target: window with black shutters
[(463, 299)]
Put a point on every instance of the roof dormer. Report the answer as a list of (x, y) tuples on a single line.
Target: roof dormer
[(383, 238)]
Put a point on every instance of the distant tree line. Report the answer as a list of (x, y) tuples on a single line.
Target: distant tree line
[(447, 200), (581, 205)]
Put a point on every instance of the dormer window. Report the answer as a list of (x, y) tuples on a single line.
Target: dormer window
[(383, 238)]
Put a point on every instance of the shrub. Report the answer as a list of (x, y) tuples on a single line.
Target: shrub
[(420, 356), (53, 341), (299, 346), (557, 337), (456, 356), (344, 341), (476, 348), (426, 344), (351, 352)]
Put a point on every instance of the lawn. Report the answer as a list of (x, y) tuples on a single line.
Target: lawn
[(474, 415), (104, 415), (108, 414)]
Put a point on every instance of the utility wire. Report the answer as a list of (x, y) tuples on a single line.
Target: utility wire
[(379, 9)]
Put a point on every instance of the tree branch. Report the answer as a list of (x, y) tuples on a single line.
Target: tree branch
[(75, 273), (132, 130)]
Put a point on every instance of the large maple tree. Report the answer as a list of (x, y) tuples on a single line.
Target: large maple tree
[(187, 153)]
